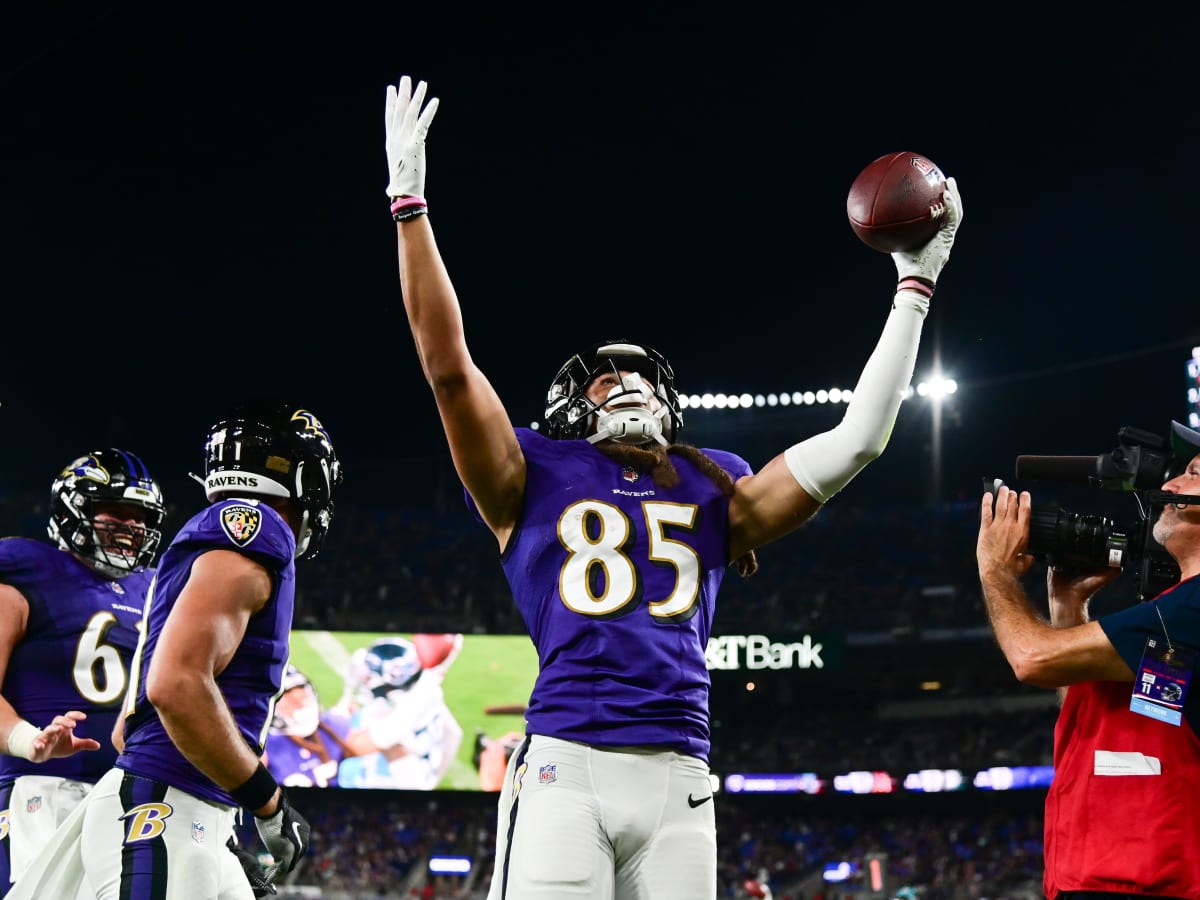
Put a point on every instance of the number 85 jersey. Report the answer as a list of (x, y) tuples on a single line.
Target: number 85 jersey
[(79, 638), (616, 578)]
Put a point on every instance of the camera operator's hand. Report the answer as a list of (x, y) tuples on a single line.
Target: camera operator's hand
[(1004, 533), (1069, 593)]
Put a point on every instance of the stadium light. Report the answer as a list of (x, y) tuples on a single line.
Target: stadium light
[(936, 388)]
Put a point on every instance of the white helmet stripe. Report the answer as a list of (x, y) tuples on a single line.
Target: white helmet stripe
[(243, 483)]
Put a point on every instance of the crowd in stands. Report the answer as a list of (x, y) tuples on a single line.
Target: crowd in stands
[(379, 845), (902, 569)]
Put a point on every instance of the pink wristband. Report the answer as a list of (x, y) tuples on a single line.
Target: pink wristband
[(920, 285), (400, 203)]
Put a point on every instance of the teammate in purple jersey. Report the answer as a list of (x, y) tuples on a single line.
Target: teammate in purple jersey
[(68, 626), (204, 681), (614, 538)]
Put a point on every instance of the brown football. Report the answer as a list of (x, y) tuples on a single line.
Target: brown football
[(896, 203), (433, 648)]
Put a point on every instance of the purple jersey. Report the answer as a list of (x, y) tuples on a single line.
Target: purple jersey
[(297, 762), (254, 675), (617, 580), (75, 654)]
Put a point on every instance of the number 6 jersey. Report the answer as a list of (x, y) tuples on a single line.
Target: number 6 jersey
[(616, 579), (80, 635)]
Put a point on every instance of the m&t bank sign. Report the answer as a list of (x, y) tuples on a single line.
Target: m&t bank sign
[(757, 651)]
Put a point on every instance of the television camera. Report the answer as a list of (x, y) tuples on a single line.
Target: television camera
[(1142, 462)]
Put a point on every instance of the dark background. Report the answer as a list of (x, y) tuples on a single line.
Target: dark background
[(194, 210)]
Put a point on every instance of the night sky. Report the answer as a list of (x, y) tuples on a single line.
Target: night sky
[(195, 211)]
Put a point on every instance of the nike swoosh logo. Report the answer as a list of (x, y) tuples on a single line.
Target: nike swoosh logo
[(694, 803), (300, 840)]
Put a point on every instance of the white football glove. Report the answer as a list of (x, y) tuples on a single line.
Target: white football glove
[(407, 125), (928, 261)]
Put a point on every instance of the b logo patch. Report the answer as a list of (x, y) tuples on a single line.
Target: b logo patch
[(146, 822), (241, 523)]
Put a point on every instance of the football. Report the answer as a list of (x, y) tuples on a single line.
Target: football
[(432, 649), (895, 203)]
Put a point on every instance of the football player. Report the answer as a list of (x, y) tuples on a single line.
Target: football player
[(204, 679), (614, 538), (68, 625), (305, 744), (403, 733)]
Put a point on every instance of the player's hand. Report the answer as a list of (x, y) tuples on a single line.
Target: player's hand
[(928, 261), (407, 125), (285, 835), (58, 738), (254, 872)]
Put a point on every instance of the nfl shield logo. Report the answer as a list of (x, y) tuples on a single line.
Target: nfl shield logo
[(198, 832), (630, 474), (34, 804), (548, 774)]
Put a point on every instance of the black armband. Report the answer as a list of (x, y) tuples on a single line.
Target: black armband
[(405, 208), (257, 790)]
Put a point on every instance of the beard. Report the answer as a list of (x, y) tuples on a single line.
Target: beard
[(1162, 530)]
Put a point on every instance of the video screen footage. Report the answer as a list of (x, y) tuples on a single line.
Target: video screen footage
[(400, 711)]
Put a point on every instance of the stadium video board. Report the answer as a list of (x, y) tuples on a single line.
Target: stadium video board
[(400, 711), (416, 711)]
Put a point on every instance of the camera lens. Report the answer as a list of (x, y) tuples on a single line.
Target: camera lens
[(1071, 540)]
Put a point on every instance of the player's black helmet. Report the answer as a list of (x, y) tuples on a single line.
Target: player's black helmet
[(107, 477), (569, 413), (275, 449)]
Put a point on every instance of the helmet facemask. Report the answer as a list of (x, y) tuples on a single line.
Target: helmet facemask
[(633, 413), (107, 482), (642, 407)]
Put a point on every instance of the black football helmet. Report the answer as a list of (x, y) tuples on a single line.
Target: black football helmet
[(274, 449), (570, 414), (107, 477)]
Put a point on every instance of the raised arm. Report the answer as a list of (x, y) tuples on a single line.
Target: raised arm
[(482, 442), (791, 487)]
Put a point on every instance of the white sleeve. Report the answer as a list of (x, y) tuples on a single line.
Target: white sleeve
[(825, 463)]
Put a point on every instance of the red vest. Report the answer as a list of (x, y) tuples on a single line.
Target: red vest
[(1127, 833)]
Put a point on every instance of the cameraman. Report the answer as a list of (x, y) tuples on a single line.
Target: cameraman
[(1123, 811)]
